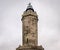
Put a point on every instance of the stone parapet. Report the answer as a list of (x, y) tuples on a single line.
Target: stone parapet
[(30, 48)]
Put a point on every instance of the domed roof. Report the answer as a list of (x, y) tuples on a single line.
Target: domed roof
[(29, 7)]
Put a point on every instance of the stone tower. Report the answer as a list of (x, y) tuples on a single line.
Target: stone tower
[(30, 30), (29, 25)]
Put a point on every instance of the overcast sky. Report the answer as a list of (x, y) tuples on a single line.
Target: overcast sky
[(48, 25)]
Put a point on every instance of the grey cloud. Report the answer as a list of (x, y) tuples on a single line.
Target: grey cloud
[(11, 26)]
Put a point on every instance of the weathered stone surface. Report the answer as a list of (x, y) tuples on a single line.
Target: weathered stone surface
[(30, 30), (29, 27)]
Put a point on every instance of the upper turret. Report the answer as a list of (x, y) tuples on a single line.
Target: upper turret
[(29, 12)]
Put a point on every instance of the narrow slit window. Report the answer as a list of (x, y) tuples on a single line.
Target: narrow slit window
[(27, 40)]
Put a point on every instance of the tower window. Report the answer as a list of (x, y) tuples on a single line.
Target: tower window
[(27, 40), (26, 26)]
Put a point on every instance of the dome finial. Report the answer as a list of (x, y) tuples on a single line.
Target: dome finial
[(29, 4)]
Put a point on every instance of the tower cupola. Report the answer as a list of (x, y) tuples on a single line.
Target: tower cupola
[(29, 7)]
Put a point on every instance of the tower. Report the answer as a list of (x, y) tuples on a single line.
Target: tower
[(29, 25), (30, 30)]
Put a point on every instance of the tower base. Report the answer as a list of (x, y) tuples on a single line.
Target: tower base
[(30, 48)]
